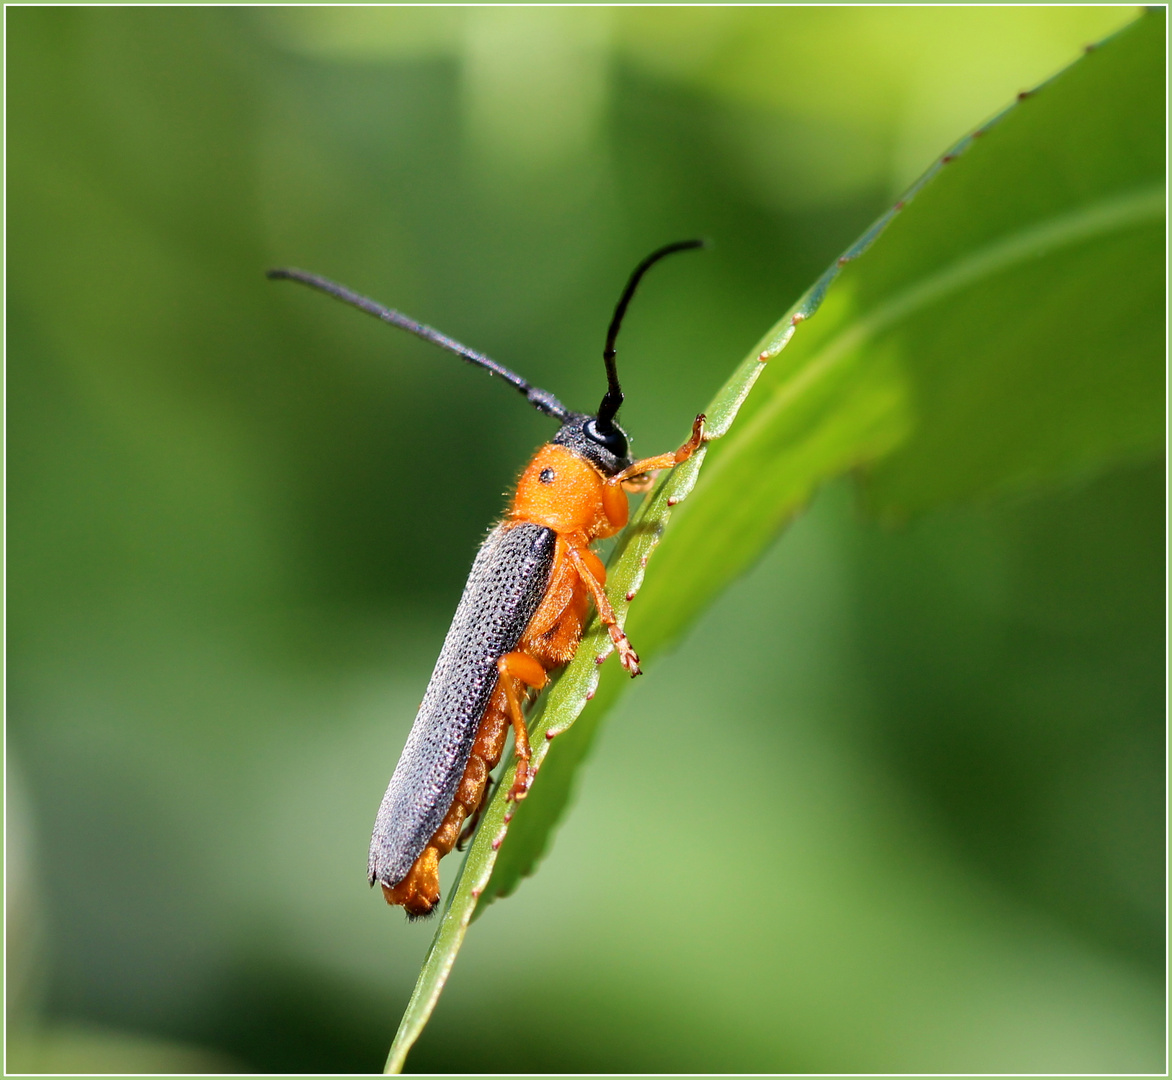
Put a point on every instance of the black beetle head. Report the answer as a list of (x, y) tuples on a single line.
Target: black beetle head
[(603, 445)]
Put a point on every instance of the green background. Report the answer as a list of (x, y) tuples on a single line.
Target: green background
[(907, 807)]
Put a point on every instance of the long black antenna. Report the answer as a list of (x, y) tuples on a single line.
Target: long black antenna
[(613, 397), (542, 400)]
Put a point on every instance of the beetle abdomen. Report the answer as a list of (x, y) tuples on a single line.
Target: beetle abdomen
[(505, 588)]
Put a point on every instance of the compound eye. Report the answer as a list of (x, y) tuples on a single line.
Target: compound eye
[(612, 438)]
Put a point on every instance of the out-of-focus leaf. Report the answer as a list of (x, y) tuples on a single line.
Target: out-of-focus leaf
[(1005, 333)]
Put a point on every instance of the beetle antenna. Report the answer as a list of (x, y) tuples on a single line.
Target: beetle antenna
[(541, 400), (613, 397)]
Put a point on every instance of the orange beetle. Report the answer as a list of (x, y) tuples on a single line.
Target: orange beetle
[(521, 616)]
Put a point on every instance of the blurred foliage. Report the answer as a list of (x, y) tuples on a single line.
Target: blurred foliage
[(909, 803)]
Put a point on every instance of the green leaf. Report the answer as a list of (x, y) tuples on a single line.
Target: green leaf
[(1005, 331)]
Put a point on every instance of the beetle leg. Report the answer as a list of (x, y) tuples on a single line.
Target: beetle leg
[(520, 667), (627, 655), (661, 461)]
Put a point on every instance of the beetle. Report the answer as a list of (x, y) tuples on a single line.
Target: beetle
[(521, 615)]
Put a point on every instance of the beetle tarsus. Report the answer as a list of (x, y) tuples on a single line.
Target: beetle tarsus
[(522, 783), (627, 656), (699, 433)]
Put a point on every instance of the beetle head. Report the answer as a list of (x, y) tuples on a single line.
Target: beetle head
[(603, 445)]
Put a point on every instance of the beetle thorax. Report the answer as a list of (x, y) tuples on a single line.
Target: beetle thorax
[(566, 493)]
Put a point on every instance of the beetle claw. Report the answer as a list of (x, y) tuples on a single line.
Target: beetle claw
[(628, 657)]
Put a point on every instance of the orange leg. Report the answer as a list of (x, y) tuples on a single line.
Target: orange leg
[(627, 655), (518, 667), (631, 476)]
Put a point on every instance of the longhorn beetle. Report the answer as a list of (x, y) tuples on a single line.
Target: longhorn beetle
[(521, 615)]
